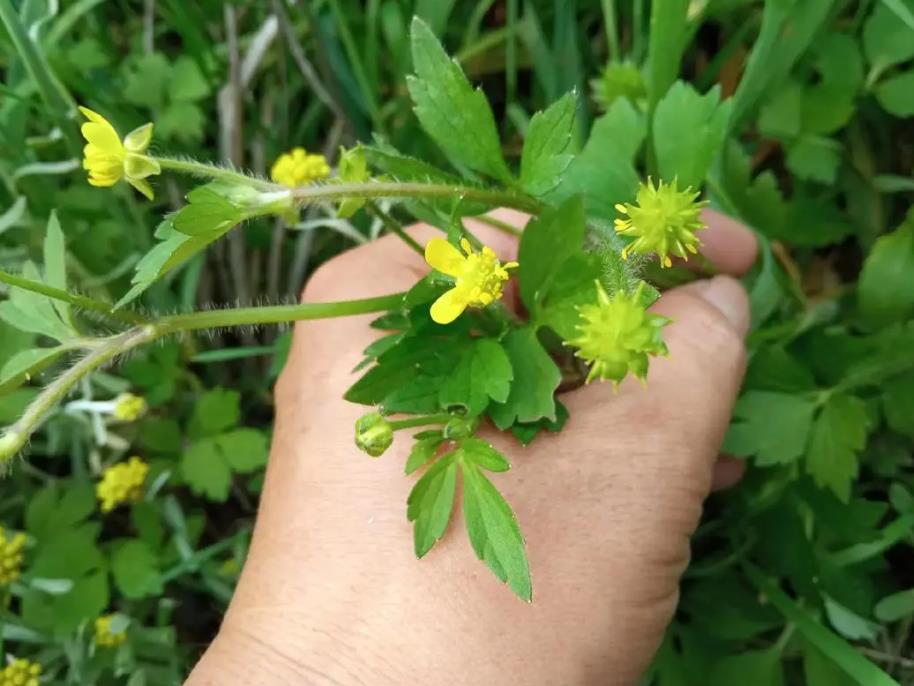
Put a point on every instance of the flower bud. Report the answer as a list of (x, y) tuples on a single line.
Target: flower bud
[(460, 427), (373, 434)]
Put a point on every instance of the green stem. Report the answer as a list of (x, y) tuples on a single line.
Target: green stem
[(420, 421), (214, 172), (111, 347), (498, 224), (612, 31), (394, 226), (334, 192), (84, 302)]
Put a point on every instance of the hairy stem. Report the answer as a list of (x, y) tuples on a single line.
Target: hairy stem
[(214, 172), (16, 436)]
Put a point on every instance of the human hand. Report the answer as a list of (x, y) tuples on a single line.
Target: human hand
[(331, 592)]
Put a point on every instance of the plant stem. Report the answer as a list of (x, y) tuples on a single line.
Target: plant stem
[(333, 192), (420, 421), (393, 226), (214, 172), (612, 31), (76, 300), (111, 347)]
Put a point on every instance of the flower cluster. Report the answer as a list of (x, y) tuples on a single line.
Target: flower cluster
[(20, 672), (108, 159), (129, 407), (104, 636), (122, 483), (479, 277), (663, 220), (617, 334), (298, 168), (11, 551)]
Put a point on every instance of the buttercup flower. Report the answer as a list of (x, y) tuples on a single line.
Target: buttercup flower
[(108, 160), (479, 277), (104, 636), (11, 548), (129, 407), (617, 334), (298, 168), (20, 672), (664, 220), (122, 483)]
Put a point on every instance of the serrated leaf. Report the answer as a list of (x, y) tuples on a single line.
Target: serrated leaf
[(430, 503), (480, 453), (484, 372), (457, 117), (187, 82), (216, 410), (886, 40), (205, 470), (32, 312), (547, 146), (885, 282), (423, 451), (688, 131), (814, 158), (207, 212), (493, 531), (55, 268), (838, 435), (245, 450), (536, 378), (51, 511), (756, 412), (134, 567)]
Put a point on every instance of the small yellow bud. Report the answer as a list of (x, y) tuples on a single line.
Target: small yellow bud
[(20, 672), (104, 636), (11, 554), (373, 434), (298, 168), (129, 407), (122, 483)]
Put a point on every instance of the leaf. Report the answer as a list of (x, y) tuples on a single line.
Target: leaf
[(688, 132), (32, 312), (820, 671), (457, 117), (423, 451), (604, 171), (51, 512), (896, 94), (147, 81), (667, 43), (814, 158), (55, 268), (847, 623), (205, 470), (886, 40), (574, 285), (215, 410), (546, 154), (896, 606), (430, 503), (757, 413), (476, 451), (751, 668), (546, 243), (23, 365), (838, 434), (245, 450), (536, 377), (484, 372), (207, 212), (884, 290), (493, 531), (898, 404), (525, 433), (135, 569), (187, 82)]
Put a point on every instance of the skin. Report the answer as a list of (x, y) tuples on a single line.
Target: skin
[(331, 592)]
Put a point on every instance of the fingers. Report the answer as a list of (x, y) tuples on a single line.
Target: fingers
[(728, 245)]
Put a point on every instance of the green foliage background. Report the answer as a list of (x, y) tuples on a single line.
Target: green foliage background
[(795, 116)]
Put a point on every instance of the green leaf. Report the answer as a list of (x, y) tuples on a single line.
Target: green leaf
[(215, 410), (688, 132), (751, 668), (547, 146), (207, 212), (457, 117), (756, 413), (147, 81), (574, 285), (32, 312), (604, 171), (547, 242), (493, 531), (896, 94), (245, 450), (206, 471), (838, 435), (55, 268), (484, 372), (423, 451), (23, 365), (430, 503), (814, 158), (51, 512), (476, 451), (896, 606), (848, 623), (884, 290), (135, 569), (820, 671), (898, 404), (667, 43), (886, 40), (525, 433), (536, 377), (829, 103), (187, 82)]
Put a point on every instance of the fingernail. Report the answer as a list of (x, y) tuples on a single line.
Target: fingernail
[(728, 295)]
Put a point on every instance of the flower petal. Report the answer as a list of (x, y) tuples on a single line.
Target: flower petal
[(140, 166), (138, 139), (142, 185), (449, 306), (444, 257), (100, 132)]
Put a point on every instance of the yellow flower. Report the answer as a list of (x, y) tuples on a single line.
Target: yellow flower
[(11, 550), (129, 407), (617, 334), (479, 277), (108, 159), (104, 636), (664, 220), (298, 168), (20, 672), (122, 483)]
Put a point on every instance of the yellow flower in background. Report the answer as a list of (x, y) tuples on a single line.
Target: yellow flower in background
[(20, 672), (104, 636), (617, 334), (663, 220), (479, 277), (122, 483), (129, 407), (108, 160), (298, 168), (11, 551)]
